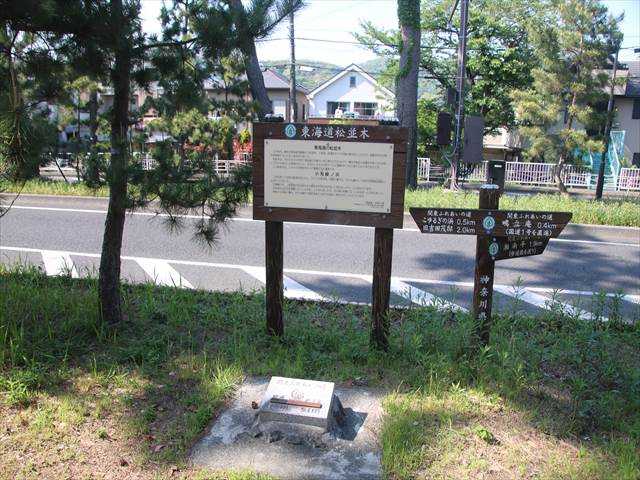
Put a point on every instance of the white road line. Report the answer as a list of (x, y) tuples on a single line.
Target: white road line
[(367, 278), (242, 219), (420, 297), (541, 301), (162, 273), (625, 296), (292, 289), (58, 263)]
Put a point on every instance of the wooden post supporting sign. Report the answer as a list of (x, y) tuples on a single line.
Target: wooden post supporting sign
[(501, 235), (273, 277), (381, 288), (332, 174), (485, 263)]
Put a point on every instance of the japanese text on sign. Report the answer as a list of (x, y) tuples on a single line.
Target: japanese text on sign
[(326, 175)]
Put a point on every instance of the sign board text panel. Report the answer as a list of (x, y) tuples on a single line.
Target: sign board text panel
[(325, 175)]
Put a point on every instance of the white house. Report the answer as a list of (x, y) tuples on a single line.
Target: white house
[(351, 90)]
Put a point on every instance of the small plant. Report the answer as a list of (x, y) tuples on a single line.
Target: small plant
[(485, 435)]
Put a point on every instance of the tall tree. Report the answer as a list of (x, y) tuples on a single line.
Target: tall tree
[(499, 55), (102, 35), (572, 42), (407, 81), (254, 22)]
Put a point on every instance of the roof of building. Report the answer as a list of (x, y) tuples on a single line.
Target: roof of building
[(352, 68), (633, 79), (274, 81)]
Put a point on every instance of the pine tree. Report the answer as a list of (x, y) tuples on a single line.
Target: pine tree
[(102, 37), (572, 42)]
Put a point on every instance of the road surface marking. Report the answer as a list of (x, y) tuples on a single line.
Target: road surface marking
[(257, 270), (422, 298), (546, 303), (624, 296), (162, 273), (58, 263), (292, 289), (242, 219)]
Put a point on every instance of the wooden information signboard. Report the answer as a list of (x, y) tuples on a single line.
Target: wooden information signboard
[(334, 174), (501, 235)]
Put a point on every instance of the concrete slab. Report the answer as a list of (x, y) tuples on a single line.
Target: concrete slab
[(317, 396), (238, 441)]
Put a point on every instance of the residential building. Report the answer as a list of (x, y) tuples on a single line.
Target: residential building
[(627, 104), (353, 92)]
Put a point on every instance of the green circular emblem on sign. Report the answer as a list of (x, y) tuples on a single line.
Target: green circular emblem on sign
[(493, 249), (488, 223), (290, 131)]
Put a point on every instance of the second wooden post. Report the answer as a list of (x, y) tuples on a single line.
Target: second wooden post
[(381, 289), (485, 265), (273, 262)]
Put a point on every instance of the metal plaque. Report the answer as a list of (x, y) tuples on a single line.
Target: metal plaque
[(327, 175)]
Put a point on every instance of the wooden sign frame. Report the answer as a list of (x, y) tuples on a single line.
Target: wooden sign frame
[(374, 134), (384, 223)]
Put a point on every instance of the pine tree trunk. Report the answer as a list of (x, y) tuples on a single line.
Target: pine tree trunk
[(252, 66), (557, 174), (109, 281), (93, 116), (407, 82)]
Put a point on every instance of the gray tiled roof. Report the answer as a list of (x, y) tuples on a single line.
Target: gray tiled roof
[(273, 80), (633, 79)]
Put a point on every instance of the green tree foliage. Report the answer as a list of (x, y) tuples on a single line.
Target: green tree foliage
[(28, 77), (499, 57), (101, 37), (558, 114)]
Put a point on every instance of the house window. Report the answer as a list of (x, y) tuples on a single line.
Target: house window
[(635, 115), (365, 109), (280, 108), (352, 81), (333, 106)]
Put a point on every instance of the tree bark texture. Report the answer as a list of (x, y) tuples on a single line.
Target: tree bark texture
[(109, 280), (252, 66), (407, 82)]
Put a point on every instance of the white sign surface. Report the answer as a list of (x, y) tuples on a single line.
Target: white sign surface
[(325, 175)]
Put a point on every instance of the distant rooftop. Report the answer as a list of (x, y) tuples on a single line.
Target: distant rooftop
[(273, 80)]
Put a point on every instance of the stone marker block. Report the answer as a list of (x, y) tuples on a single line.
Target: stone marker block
[(293, 400)]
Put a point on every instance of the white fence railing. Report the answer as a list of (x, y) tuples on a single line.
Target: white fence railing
[(629, 179), (539, 174)]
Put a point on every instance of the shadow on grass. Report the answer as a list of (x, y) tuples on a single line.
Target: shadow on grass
[(158, 379)]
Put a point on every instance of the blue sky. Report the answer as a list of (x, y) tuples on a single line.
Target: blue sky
[(337, 19)]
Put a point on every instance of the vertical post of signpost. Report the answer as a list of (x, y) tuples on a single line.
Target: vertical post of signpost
[(273, 262), (483, 279), (381, 289)]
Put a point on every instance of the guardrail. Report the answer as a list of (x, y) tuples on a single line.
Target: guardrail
[(537, 174)]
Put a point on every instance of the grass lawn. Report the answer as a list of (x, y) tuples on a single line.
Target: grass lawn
[(549, 398), (623, 212)]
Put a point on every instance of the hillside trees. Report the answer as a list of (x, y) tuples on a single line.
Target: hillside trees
[(572, 43)]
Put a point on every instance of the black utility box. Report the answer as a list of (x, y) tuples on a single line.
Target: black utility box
[(496, 170)]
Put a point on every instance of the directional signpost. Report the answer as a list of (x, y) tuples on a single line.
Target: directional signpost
[(501, 235)]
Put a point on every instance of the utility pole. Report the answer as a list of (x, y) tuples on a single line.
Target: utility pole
[(607, 128), (462, 59), (292, 73)]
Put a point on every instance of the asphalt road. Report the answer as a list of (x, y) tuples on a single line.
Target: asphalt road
[(323, 261)]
